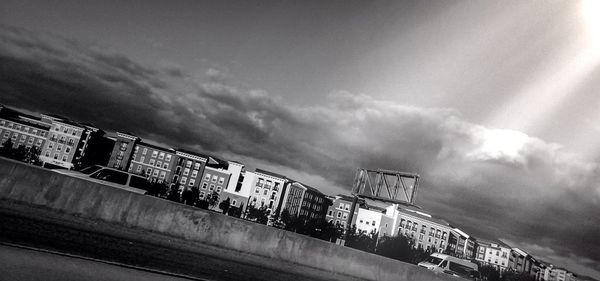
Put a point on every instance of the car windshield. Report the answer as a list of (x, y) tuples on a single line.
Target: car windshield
[(111, 176), (90, 169), (433, 260)]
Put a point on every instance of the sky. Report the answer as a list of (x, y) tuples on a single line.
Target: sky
[(493, 103)]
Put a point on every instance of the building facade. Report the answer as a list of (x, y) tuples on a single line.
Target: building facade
[(304, 201), (461, 244), (268, 190), (154, 162), (493, 253), (120, 157), (214, 179), (519, 261), (339, 212), (21, 132), (189, 169), (429, 233), (66, 142), (373, 219)]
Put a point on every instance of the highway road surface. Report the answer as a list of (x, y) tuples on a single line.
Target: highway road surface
[(61, 233), (32, 265)]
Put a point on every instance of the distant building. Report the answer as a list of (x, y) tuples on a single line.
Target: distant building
[(120, 157), (519, 261), (304, 201), (66, 142), (21, 130), (492, 253), (461, 244), (268, 190), (339, 212), (373, 219), (239, 187), (154, 162), (429, 233), (214, 179), (188, 169)]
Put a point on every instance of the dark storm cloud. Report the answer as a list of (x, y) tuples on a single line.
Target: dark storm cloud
[(495, 182)]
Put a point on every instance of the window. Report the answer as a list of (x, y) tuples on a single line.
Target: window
[(214, 178), (168, 158), (341, 206), (194, 173), (188, 164), (221, 180), (47, 153), (67, 149), (186, 171), (234, 202), (204, 185), (139, 169), (202, 194), (339, 214), (151, 162), (330, 213), (165, 165), (144, 151), (212, 187), (161, 156), (183, 180), (30, 140), (265, 192), (207, 177), (158, 163), (39, 142), (162, 176), (154, 153), (196, 166), (142, 159), (148, 171), (345, 216), (56, 156), (218, 189), (64, 158), (155, 173), (191, 183)]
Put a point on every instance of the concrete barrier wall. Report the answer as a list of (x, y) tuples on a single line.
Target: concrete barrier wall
[(43, 188)]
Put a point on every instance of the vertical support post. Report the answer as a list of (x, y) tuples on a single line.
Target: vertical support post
[(350, 217)]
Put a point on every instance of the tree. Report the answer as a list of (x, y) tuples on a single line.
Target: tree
[(212, 199), (224, 205), (360, 240), (258, 215), (173, 194), (32, 156), (7, 148)]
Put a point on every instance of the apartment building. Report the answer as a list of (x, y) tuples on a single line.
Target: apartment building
[(268, 189), (66, 141), (461, 244), (429, 233), (493, 253), (22, 132), (189, 169), (370, 219), (339, 212), (304, 201), (519, 260), (155, 162), (215, 179), (120, 157)]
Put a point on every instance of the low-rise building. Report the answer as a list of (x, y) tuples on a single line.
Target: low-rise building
[(154, 162), (215, 179), (339, 212), (373, 219), (428, 232), (268, 190), (238, 190), (519, 260), (189, 168), (493, 253), (303, 201), (66, 142), (20, 131), (120, 157), (461, 244)]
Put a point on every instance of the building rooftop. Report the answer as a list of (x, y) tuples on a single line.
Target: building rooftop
[(157, 147), (421, 215), (257, 170)]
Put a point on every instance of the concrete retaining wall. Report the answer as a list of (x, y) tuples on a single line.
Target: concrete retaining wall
[(35, 186)]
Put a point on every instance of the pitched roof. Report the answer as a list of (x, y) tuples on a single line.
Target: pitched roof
[(257, 170)]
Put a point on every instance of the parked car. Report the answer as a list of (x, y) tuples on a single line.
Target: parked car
[(451, 265), (111, 177)]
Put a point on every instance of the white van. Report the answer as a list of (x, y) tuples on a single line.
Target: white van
[(451, 265), (111, 177)]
